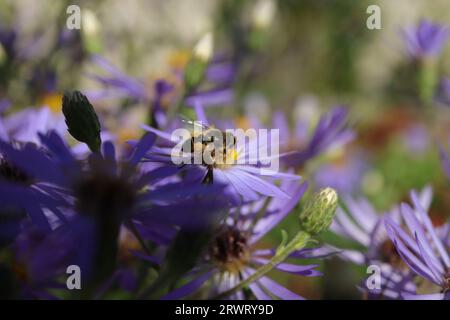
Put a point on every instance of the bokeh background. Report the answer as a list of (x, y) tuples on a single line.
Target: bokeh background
[(314, 55)]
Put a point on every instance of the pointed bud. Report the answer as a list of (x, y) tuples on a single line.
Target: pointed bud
[(263, 14), (196, 67), (90, 22), (81, 119), (319, 211), (91, 31), (203, 50)]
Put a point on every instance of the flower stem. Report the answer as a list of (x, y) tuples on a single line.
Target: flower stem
[(298, 242)]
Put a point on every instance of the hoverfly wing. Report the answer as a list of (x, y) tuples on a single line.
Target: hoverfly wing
[(194, 125)]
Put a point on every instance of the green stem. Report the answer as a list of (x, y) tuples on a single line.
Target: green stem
[(298, 242)]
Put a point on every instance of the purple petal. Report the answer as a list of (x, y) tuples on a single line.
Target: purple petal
[(188, 288)]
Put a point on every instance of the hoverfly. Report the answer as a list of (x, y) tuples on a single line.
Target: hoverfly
[(219, 145)]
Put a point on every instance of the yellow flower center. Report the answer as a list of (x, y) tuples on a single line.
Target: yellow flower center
[(53, 101)]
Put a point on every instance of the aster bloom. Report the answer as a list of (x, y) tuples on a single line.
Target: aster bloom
[(120, 85), (331, 132), (35, 264), (246, 181), (361, 224), (420, 246), (234, 253), (24, 191), (57, 171), (25, 125), (89, 202), (426, 40)]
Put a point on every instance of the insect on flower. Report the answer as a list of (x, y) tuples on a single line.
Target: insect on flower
[(210, 147)]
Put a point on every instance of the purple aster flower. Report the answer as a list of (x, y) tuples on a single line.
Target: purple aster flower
[(119, 85), (234, 253), (35, 264), (246, 180), (123, 85), (420, 246), (90, 201), (426, 40), (361, 224), (331, 132), (25, 125), (22, 190)]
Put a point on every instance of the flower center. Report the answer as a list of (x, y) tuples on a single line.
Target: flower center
[(105, 195), (11, 173), (229, 250)]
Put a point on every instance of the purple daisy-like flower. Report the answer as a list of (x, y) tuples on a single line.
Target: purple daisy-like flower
[(361, 224), (245, 175), (26, 125), (122, 85), (426, 40), (125, 86), (234, 254), (420, 246), (331, 132), (86, 203)]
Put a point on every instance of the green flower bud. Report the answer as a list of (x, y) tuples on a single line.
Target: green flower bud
[(196, 67), (319, 211), (81, 119), (263, 14)]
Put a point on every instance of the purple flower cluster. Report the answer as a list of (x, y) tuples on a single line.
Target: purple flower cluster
[(111, 211)]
